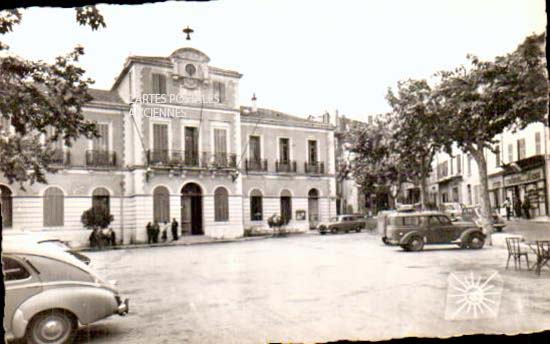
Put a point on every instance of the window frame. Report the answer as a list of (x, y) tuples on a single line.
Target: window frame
[(221, 206), (45, 207), (21, 265)]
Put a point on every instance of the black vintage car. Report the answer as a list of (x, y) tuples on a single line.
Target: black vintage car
[(412, 231), (344, 223)]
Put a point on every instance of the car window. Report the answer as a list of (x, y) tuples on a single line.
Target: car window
[(55, 270), (434, 221), (410, 221), (444, 220), (13, 270)]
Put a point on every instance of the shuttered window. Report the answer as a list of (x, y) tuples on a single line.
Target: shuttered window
[(521, 149), (221, 205), (161, 204), (220, 141), (255, 148), (54, 207), (284, 151), (538, 148), (219, 91), (312, 151), (159, 84), (101, 143)]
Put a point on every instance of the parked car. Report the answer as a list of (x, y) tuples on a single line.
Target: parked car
[(50, 292), (58, 244), (453, 209), (473, 214), (412, 231), (344, 223)]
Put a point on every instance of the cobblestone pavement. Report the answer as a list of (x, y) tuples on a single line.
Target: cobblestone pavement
[(309, 288)]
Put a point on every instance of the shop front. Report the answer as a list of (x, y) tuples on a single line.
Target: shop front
[(528, 184)]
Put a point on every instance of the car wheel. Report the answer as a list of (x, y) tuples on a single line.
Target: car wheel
[(323, 232), (333, 230), (51, 327), (476, 241), (405, 247), (415, 244), (358, 229)]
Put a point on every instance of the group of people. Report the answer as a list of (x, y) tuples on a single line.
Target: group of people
[(101, 237), (155, 230), (521, 209)]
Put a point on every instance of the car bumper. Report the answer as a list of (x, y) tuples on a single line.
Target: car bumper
[(390, 241)]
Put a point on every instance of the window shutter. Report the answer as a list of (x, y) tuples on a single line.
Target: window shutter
[(220, 141), (53, 207), (221, 204)]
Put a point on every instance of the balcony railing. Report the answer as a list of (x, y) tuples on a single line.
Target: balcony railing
[(259, 165), (165, 157), (191, 159), (219, 160), (314, 167), (100, 158), (60, 157), (288, 166)]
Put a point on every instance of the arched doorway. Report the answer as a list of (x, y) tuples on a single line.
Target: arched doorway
[(313, 208), (101, 198), (191, 209), (286, 206), (7, 206)]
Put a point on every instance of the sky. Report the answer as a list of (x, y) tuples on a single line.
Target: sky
[(299, 57)]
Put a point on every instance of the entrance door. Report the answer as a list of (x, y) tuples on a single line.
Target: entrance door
[(313, 208), (191, 209)]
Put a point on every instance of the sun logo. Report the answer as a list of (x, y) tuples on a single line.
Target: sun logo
[(473, 295)]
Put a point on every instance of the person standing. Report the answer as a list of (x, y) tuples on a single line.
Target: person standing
[(527, 207), (506, 204), (149, 228), (517, 207), (174, 229), (156, 232), (164, 231)]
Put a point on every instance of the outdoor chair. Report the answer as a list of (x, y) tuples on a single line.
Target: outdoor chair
[(543, 255), (515, 251)]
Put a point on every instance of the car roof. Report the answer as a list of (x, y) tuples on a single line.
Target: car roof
[(417, 213), (27, 248)]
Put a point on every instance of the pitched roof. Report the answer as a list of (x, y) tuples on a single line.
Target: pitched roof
[(277, 117), (104, 96)]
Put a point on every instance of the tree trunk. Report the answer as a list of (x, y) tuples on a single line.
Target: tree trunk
[(485, 203), (423, 187)]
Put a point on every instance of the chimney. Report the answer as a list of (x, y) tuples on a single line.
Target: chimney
[(326, 118), (254, 105)]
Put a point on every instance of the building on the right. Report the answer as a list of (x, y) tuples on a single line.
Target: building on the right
[(519, 169)]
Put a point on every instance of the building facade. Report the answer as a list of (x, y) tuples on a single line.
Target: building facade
[(174, 143), (518, 169)]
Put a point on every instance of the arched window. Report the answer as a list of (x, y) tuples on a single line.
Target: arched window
[(161, 204), (286, 206), (313, 206), (256, 207), (7, 206), (221, 205), (54, 207), (101, 199)]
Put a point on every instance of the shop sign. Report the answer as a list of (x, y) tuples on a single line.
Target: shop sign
[(523, 178)]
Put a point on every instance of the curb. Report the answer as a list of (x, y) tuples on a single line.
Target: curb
[(182, 243)]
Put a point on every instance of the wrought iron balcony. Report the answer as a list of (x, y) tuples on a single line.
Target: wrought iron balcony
[(100, 158), (259, 165), (314, 167), (60, 157), (165, 157), (219, 160), (288, 166)]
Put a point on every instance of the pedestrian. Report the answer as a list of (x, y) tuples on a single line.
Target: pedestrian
[(527, 207), (164, 231), (174, 229), (517, 207), (156, 232), (149, 228), (506, 204)]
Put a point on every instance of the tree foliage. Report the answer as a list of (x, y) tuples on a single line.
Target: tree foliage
[(43, 104), (96, 217)]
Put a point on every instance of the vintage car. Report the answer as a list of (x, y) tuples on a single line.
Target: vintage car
[(58, 244), (412, 231), (343, 223), (50, 292), (473, 214), (452, 209)]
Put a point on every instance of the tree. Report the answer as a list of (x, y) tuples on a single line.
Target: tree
[(375, 163), (96, 217), (416, 131), (482, 101), (43, 103)]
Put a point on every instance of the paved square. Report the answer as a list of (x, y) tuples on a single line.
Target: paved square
[(306, 288)]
